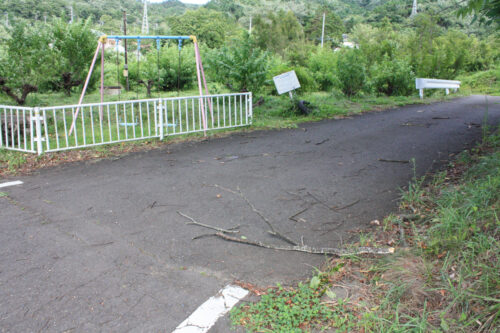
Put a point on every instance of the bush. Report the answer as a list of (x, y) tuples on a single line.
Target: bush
[(351, 71), (241, 66), (169, 75), (322, 66), (393, 77)]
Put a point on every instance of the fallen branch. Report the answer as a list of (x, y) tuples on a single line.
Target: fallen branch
[(308, 249), (293, 217), (273, 231), (393, 161), (194, 222), (347, 206)]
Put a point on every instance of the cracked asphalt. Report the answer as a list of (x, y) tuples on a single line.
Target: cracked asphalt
[(100, 246)]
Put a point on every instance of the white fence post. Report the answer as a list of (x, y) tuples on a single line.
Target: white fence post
[(250, 107), (38, 131), (160, 118)]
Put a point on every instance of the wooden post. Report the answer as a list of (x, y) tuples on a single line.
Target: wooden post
[(85, 87), (199, 85)]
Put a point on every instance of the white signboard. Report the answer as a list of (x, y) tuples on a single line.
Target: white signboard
[(286, 82)]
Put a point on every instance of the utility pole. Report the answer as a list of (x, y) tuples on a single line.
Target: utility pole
[(145, 23), (125, 69), (414, 9), (7, 20), (250, 28), (323, 30), (71, 14)]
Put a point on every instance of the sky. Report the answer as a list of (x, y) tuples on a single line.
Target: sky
[(198, 2)]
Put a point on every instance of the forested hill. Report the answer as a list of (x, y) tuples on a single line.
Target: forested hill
[(108, 13)]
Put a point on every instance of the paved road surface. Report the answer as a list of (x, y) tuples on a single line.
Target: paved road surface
[(100, 246)]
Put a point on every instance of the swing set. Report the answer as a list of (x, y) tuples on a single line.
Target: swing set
[(101, 47)]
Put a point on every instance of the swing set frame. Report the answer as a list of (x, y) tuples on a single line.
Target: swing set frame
[(101, 47)]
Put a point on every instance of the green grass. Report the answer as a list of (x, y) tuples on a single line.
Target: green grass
[(276, 111), (485, 82), (446, 280)]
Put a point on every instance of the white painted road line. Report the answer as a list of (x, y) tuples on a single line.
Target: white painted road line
[(17, 182), (203, 318)]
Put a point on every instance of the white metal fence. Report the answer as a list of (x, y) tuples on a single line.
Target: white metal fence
[(47, 129)]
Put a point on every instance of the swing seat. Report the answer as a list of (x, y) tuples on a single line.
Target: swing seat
[(128, 124), (169, 125)]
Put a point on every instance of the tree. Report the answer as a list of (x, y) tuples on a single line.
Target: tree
[(28, 64), (334, 27), (351, 71), (75, 45), (210, 26), (275, 32), (242, 66), (487, 11)]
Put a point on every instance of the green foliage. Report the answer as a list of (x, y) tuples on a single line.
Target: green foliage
[(334, 27), (161, 71), (322, 65), (74, 45), (241, 65), (487, 11), (351, 71), (487, 82), (28, 62), (211, 27), (276, 31), (284, 310), (393, 77)]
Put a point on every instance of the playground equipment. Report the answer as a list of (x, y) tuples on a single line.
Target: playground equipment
[(101, 46), (47, 129)]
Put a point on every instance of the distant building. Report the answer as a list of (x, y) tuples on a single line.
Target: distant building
[(346, 43)]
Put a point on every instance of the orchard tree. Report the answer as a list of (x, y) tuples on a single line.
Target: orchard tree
[(29, 62), (74, 44), (242, 66)]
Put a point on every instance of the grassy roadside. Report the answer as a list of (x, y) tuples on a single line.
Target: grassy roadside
[(273, 112), (444, 276)]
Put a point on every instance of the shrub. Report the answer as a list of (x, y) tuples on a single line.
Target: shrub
[(351, 71), (322, 66), (241, 66), (393, 77), (169, 76)]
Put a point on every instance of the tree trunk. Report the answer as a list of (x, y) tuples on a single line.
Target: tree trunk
[(26, 90)]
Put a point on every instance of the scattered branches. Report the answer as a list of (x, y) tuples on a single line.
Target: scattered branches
[(273, 230), (227, 234)]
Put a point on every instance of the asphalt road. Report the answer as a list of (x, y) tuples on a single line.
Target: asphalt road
[(99, 246)]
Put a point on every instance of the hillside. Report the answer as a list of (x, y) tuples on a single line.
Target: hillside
[(107, 14)]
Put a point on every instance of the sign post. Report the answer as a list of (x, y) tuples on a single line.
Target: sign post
[(286, 83)]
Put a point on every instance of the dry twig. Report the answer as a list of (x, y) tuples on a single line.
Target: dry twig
[(308, 249), (193, 221)]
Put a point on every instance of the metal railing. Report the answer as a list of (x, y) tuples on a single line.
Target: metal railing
[(16, 128), (47, 129)]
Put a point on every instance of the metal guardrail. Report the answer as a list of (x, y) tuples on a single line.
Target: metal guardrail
[(47, 129), (422, 84)]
